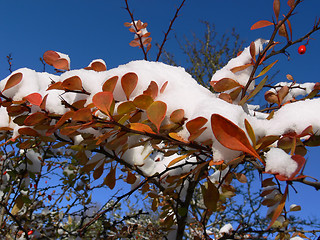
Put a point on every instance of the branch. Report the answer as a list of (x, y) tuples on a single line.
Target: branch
[(169, 29)]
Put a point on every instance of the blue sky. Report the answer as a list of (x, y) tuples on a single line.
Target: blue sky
[(87, 30)]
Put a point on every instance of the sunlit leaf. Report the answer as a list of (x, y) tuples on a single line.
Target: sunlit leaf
[(13, 80), (276, 8), (196, 134), (253, 51), (225, 97), (240, 68), (34, 98), (255, 91), (72, 83), (282, 93), (156, 113), (98, 66), (57, 85), (82, 115), (177, 116), (178, 159), (50, 57), (163, 87), (103, 101), (231, 136), (18, 204), (279, 208), (110, 84), (152, 90), (177, 137), (143, 101), (126, 107), (291, 3), (267, 68), (195, 124), (61, 64), (250, 132), (129, 82), (141, 127), (241, 177), (266, 141), (271, 97), (261, 24)]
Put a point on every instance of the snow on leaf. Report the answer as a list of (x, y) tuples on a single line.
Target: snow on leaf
[(300, 160), (13, 80), (110, 84), (34, 98), (261, 24), (231, 136), (129, 82), (72, 83), (156, 113), (103, 101)]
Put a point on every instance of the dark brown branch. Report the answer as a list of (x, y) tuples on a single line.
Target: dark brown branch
[(169, 29)]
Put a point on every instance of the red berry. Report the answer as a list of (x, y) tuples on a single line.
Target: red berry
[(302, 49), (30, 232), (49, 197)]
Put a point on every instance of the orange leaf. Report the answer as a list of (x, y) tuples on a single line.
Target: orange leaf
[(177, 116), (110, 84), (61, 63), (300, 160), (13, 80), (56, 85), (195, 124), (34, 119), (34, 98), (163, 87), (196, 134), (98, 66), (72, 83), (225, 84), (50, 57), (291, 3), (279, 209), (83, 115), (177, 137), (240, 68), (231, 136), (276, 8), (141, 127), (143, 101), (152, 90), (261, 24), (44, 102), (103, 101), (156, 113), (129, 82), (178, 159)]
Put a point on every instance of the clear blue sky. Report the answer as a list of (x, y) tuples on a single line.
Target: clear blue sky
[(87, 30)]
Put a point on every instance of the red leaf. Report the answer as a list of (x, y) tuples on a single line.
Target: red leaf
[(103, 101), (110, 84), (72, 83), (34, 119), (61, 64), (195, 124), (278, 210), (152, 90), (156, 113), (83, 115), (129, 82), (231, 136), (261, 24), (50, 57), (13, 80), (34, 98)]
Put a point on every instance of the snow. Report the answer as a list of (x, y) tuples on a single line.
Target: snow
[(181, 92), (278, 161)]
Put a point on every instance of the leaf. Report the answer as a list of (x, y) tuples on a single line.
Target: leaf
[(129, 82), (261, 24), (255, 91), (98, 171), (177, 137), (250, 132), (253, 51), (18, 204), (72, 83), (291, 3), (300, 160), (156, 113), (34, 98), (141, 127), (231, 136), (210, 196), (196, 134), (282, 93), (241, 177), (178, 159), (266, 69), (44, 102), (13, 80), (163, 87), (82, 115), (177, 116), (126, 107), (266, 141), (110, 179), (195, 124), (103, 101), (35, 118), (50, 57), (110, 84), (225, 84), (56, 85), (98, 66), (28, 131), (276, 8), (283, 31), (279, 208), (225, 97), (240, 68), (61, 64), (152, 90), (143, 101), (271, 97)]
